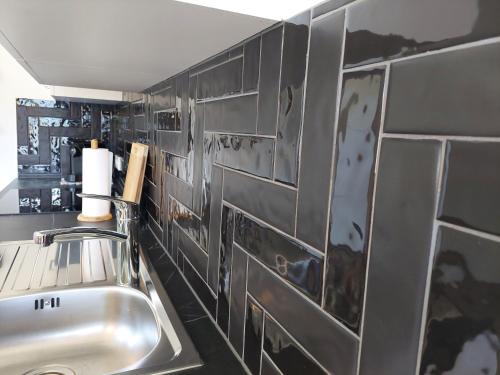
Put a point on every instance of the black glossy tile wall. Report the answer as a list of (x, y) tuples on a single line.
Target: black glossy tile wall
[(309, 243)]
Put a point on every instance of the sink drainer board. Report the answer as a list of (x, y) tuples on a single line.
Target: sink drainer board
[(51, 370)]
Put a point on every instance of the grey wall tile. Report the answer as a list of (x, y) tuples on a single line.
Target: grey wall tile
[(268, 367), (269, 83), (270, 202), (405, 204), (222, 80), (251, 64), (253, 336), (375, 33), (236, 115), (238, 298), (464, 312), (213, 225), (201, 289), (328, 6), (351, 202), (193, 252), (293, 73), (337, 350), (435, 102), (294, 262), (317, 133), (470, 186)]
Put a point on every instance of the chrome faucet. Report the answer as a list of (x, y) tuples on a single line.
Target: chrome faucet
[(127, 228)]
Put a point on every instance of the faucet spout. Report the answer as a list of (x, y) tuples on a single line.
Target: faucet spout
[(47, 237)]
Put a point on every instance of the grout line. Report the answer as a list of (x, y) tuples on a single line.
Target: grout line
[(457, 47), (275, 368), (258, 86), (295, 341), (278, 231), (372, 214), (227, 97), (215, 65), (279, 100), (435, 228), (186, 259), (301, 130), (338, 101), (248, 135), (324, 15), (474, 232), (440, 137), (238, 171)]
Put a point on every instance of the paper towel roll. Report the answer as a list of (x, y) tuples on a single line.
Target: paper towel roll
[(96, 179)]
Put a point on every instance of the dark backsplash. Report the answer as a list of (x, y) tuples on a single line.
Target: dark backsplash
[(329, 188)]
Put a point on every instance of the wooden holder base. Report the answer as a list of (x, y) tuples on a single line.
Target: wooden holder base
[(95, 219)]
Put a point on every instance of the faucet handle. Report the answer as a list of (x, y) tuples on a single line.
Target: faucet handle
[(128, 207)]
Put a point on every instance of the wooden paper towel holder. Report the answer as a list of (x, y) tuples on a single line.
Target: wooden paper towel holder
[(133, 181)]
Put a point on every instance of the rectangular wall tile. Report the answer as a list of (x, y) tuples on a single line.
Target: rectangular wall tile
[(268, 367), (405, 203), (337, 351), (270, 202), (464, 313), (317, 133), (328, 6), (351, 201), (201, 289), (225, 263), (293, 73), (251, 64), (250, 154), (253, 336), (213, 225), (222, 80), (435, 103), (234, 115), (178, 167), (186, 219), (193, 252), (238, 298), (294, 262), (471, 185), (285, 353), (269, 83), (378, 30)]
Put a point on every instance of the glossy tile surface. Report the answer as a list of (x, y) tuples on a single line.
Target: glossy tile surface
[(249, 154), (214, 227), (285, 353), (269, 83), (337, 350), (464, 309), (351, 202), (238, 297), (210, 147), (269, 202), (178, 166), (295, 263), (237, 115), (328, 6), (384, 29), (317, 133), (193, 252), (225, 263), (251, 64), (253, 336), (293, 73), (222, 80), (405, 203), (470, 186), (168, 120), (268, 367), (185, 218), (200, 288), (436, 104)]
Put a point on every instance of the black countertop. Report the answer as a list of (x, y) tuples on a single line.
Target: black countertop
[(213, 349)]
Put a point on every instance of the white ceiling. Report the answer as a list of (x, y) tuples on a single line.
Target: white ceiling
[(125, 45)]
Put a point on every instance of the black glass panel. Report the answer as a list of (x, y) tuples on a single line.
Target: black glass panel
[(350, 211), (285, 353), (464, 307), (384, 29), (296, 263), (253, 336)]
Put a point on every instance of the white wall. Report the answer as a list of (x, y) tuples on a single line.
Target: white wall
[(15, 82)]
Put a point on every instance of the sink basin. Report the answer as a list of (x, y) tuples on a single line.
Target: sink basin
[(84, 325), (91, 330)]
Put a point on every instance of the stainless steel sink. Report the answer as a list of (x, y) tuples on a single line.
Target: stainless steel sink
[(63, 313)]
